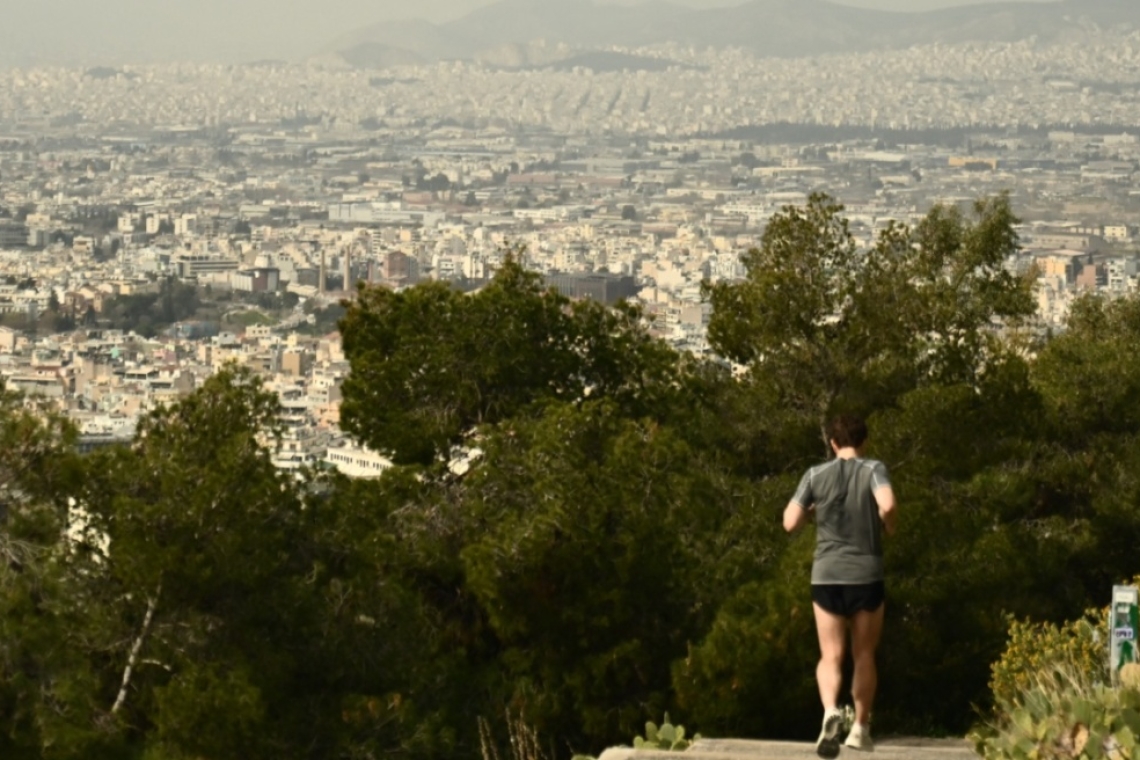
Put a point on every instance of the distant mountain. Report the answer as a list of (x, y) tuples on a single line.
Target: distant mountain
[(575, 22), (424, 40), (783, 28)]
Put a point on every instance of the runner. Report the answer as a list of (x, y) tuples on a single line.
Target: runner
[(853, 504)]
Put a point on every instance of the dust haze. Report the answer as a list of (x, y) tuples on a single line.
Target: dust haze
[(80, 32)]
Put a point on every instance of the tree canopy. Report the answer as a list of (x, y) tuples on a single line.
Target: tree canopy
[(582, 525), (837, 327), (431, 364)]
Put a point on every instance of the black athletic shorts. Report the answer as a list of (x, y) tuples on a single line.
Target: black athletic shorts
[(847, 599)]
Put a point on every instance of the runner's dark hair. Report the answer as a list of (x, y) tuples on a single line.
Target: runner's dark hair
[(847, 430)]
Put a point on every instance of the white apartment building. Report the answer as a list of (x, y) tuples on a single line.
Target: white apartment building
[(356, 461)]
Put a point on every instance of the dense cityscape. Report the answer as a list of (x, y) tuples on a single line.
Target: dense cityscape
[(158, 221)]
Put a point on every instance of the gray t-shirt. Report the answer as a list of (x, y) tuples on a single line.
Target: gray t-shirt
[(848, 538)]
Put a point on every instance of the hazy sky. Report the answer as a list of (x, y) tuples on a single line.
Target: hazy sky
[(87, 30), (912, 5), (447, 9)]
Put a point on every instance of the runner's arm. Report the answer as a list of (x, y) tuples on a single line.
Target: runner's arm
[(885, 498), (795, 515)]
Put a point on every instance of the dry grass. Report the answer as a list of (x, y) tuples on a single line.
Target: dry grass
[(523, 740)]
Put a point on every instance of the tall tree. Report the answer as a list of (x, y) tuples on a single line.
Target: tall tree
[(216, 649), (48, 685), (430, 364), (587, 538), (833, 326)]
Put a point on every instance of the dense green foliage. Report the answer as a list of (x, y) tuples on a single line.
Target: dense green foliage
[(148, 313), (1076, 646), (430, 364), (1049, 692), (583, 527)]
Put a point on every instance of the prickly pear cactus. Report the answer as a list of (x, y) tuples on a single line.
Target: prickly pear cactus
[(666, 736), (1061, 718)]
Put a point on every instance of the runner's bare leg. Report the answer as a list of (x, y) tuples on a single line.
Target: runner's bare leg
[(866, 628), (832, 631)]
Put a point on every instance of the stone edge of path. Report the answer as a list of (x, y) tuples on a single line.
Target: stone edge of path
[(744, 749), (887, 744)]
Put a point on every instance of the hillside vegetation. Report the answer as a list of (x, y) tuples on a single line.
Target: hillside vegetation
[(614, 549)]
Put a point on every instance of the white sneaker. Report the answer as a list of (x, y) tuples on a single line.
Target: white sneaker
[(860, 738), (828, 744)]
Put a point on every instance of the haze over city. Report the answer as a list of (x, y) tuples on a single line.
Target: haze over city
[(133, 31)]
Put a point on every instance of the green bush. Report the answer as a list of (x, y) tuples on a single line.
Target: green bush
[(1063, 714), (1078, 646), (1053, 695)]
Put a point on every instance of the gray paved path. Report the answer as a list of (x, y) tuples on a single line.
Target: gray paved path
[(742, 749)]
